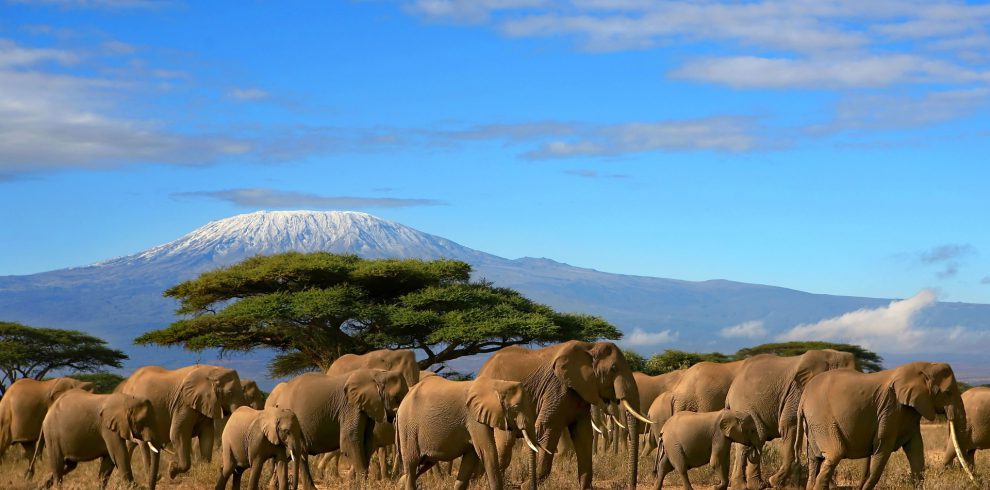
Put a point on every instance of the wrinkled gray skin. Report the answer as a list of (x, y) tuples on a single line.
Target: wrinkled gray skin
[(253, 437), (81, 426), (564, 381), (977, 403), (23, 408), (691, 440), (851, 415), (442, 420), (769, 388), (340, 412), (187, 402)]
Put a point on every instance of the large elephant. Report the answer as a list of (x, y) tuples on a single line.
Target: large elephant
[(691, 440), (82, 426), (769, 387), (704, 386), (252, 437), (848, 414), (187, 403), (23, 408), (340, 412), (442, 420), (564, 381), (977, 404), (400, 361)]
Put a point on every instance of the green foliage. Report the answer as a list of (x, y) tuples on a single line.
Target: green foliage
[(28, 352), (672, 360), (315, 307), (103, 382), (636, 362), (866, 360)]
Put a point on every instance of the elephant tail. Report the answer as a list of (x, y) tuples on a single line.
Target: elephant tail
[(802, 428), (398, 445), (660, 453), (38, 447)]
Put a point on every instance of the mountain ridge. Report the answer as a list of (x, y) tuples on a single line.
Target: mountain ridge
[(120, 298)]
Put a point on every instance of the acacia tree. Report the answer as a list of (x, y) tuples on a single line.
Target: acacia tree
[(28, 352), (312, 308)]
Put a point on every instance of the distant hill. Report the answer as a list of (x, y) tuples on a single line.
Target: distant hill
[(120, 298)]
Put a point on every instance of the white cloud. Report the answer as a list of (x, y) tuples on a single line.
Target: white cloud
[(247, 93), (639, 337), (890, 328), (752, 329)]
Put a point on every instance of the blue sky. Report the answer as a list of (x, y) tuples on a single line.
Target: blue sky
[(830, 146)]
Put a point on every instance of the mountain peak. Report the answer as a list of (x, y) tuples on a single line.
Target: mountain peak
[(229, 240)]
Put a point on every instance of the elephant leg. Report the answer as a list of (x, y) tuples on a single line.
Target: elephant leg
[(307, 477), (915, 452), (468, 462), (544, 462), (121, 459), (255, 475), (787, 458), (182, 461), (877, 463), (235, 484), (106, 467), (410, 469), (580, 433), (225, 472), (825, 472), (663, 467), (484, 448), (753, 475)]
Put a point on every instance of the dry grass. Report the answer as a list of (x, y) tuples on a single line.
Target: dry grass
[(609, 472)]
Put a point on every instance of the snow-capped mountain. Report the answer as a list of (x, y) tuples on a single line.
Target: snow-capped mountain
[(118, 299), (230, 240)]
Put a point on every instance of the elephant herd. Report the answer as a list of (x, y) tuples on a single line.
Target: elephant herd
[(566, 395)]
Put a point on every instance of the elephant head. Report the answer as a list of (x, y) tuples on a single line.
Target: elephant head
[(253, 396), (740, 427), (504, 405), (212, 391), (376, 392), (281, 428), (61, 385), (132, 419), (930, 388)]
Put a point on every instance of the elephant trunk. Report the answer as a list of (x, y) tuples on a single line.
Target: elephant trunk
[(956, 414), (628, 395), (153, 470), (633, 432)]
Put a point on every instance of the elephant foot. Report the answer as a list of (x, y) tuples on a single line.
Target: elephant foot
[(778, 481), (737, 484), (172, 471)]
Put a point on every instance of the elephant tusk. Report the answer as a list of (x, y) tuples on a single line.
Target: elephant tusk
[(636, 414), (593, 426), (152, 447), (292, 457), (616, 420), (959, 453), (529, 442)]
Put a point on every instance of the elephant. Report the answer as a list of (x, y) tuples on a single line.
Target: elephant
[(691, 440), (252, 437), (187, 402), (401, 361), (704, 386), (848, 414), (565, 380), (23, 408), (661, 410), (340, 412), (977, 404), (253, 396), (650, 387), (82, 426), (769, 387), (442, 420)]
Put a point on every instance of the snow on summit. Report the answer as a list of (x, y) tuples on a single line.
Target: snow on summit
[(229, 240)]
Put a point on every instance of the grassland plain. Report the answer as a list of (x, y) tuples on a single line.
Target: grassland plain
[(609, 472)]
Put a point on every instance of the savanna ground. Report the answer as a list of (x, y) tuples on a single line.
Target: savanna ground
[(609, 472)]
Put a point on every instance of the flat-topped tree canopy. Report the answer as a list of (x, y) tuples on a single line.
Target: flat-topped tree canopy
[(315, 307)]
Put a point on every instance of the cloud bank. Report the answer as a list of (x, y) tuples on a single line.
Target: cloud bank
[(271, 198), (752, 329), (642, 338)]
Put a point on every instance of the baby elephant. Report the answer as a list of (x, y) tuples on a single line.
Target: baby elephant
[(442, 420), (81, 426), (690, 440), (252, 437)]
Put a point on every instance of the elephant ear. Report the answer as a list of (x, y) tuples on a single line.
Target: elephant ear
[(117, 420), (575, 369), (727, 423), (199, 391), (269, 426), (912, 387), (364, 392), (486, 401)]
